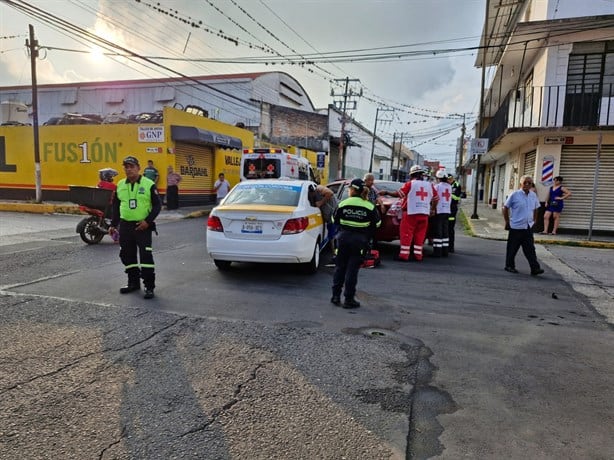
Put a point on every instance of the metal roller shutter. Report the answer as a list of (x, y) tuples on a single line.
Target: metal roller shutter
[(529, 164), (578, 170), (195, 164)]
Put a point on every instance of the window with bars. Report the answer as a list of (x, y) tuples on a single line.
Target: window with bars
[(590, 78), (591, 68)]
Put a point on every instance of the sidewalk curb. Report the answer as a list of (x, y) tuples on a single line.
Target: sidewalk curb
[(40, 208), (201, 213), (561, 242), (50, 208)]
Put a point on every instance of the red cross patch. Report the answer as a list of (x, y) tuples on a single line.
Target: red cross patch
[(422, 193)]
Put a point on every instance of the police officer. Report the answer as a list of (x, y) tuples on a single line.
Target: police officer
[(135, 207), (456, 197), (356, 219)]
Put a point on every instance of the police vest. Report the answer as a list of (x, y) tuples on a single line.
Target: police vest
[(444, 190), (356, 214), (419, 197), (134, 199)]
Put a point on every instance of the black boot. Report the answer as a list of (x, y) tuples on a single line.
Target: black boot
[(149, 294), (130, 288), (351, 303)]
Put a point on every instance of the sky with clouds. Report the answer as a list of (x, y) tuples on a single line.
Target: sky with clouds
[(420, 87)]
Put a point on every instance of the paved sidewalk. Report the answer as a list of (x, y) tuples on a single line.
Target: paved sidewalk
[(490, 225)]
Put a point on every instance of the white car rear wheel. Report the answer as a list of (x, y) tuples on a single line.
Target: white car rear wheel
[(311, 267)]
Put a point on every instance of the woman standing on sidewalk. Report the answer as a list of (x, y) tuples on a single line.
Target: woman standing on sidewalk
[(557, 194), (172, 189)]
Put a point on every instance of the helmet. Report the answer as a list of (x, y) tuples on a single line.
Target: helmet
[(358, 184), (441, 174), (416, 169), (107, 174)]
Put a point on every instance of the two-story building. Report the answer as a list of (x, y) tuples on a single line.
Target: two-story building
[(549, 107)]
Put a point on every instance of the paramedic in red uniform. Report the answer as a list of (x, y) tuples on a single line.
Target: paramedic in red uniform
[(421, 197), (442, 217)]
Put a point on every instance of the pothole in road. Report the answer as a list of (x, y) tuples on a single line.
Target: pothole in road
[(373, 332), (422, 402)]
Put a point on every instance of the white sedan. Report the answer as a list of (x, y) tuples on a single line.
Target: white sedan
[(267, 220)]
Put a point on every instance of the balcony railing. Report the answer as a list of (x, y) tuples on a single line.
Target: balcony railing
[(544, 107)]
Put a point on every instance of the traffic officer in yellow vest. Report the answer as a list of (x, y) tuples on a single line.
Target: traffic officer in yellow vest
[(135, 207), (356, 219)]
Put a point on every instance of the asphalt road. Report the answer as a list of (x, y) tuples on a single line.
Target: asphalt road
[(446, 359)]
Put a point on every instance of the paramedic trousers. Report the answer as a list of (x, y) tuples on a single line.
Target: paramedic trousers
[(350, 252), (413, 228), (135, 246), (440, 235)]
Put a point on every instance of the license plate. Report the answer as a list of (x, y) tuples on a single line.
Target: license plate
[(252, 227)]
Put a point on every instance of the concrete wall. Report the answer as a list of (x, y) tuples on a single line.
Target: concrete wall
[(540, 10)]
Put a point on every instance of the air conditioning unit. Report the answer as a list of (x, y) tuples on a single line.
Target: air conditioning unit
[(13, 112)]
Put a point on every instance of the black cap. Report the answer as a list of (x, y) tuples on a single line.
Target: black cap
[(130, 160), (358, 184)]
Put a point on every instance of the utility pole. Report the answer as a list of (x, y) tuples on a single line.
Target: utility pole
[(399, 159), (347, 93), (394, 138), (481, 117), (377, 111), (461, 143), (32, 45)]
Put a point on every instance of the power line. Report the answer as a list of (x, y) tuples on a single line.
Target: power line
[(57, 22)]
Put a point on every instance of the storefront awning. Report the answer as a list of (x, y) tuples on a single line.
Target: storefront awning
[(193, 135)]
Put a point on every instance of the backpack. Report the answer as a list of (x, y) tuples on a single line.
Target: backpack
[(371, 259)]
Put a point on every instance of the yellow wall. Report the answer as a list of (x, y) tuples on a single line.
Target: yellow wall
[(226, 160), (73, 154), (69, 154)]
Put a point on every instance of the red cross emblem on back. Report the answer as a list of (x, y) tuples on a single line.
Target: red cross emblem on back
[(446, 194), (422, 193)]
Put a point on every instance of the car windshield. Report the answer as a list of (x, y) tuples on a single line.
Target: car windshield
[(256, 193)]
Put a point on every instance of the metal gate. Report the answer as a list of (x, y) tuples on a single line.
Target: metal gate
[(195, 165), (528, 168), (578, 172)]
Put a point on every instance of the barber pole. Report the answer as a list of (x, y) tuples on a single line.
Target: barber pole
[(548, 170)]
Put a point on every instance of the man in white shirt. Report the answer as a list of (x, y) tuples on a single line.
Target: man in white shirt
[(221, 187), (523, 204)]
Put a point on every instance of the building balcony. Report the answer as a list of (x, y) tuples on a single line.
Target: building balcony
[(553, 109)]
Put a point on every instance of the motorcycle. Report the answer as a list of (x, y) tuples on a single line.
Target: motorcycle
[(95, 202)]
